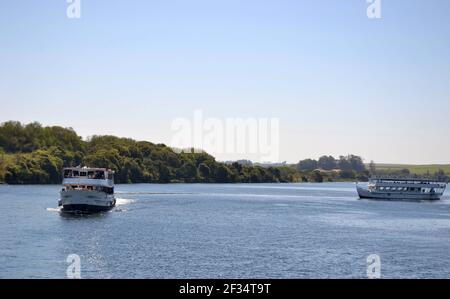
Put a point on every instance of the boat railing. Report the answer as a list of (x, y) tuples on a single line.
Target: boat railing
[(87, 181)]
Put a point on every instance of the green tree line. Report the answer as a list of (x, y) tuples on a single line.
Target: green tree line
[(344, 168), (33, 154)]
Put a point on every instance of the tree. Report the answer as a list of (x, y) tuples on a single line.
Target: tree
[(307, 165), (130, 172), (164, 174), (351, 162), (222, 174), (343, 163), (327, 163), (15, 137), (255, 175), (317, 176), (237, 166), (356, 163), (104, 158), (204, 171), (188, 172)]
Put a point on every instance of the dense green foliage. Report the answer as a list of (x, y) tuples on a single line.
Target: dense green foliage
[(32, 154), (350, 162), (14, 137), (328, 168)]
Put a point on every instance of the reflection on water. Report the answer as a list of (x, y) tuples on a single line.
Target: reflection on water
[(217, 231)]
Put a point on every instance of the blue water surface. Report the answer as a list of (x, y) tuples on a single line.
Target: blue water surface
[(224, 231)]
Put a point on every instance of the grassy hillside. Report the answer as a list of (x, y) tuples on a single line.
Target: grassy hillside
[(415, 169)]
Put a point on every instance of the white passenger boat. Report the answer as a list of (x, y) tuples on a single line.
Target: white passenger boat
[(397, 188), (87, 190)]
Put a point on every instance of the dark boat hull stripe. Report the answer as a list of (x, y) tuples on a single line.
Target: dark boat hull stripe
[(85, 209)]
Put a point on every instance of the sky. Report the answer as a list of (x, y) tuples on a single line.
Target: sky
[(337, 81)]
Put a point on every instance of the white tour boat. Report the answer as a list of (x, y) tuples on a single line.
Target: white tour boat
[(87, 190), (402, 189)]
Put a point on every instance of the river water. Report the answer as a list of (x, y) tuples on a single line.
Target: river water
[(224, 231)]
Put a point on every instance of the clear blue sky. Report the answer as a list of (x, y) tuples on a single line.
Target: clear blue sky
[(339, 82)]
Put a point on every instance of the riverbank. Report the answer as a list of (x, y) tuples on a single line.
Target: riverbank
[(33, 154)]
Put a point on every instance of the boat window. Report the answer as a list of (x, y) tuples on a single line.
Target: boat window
[(108, 190), (67, 173), (76, 173), (82, 173), (90, 174), (99, 175)]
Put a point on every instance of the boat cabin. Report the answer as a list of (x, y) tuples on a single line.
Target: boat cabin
[(406, 185), (89, 173), (88, 179)]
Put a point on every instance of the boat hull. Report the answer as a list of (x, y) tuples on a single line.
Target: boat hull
[(366, 194), (84, 201)]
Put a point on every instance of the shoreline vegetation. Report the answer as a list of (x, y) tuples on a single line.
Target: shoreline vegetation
[(34, 154)]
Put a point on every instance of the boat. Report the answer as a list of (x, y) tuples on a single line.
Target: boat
[(398, 188), (87, 190)]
